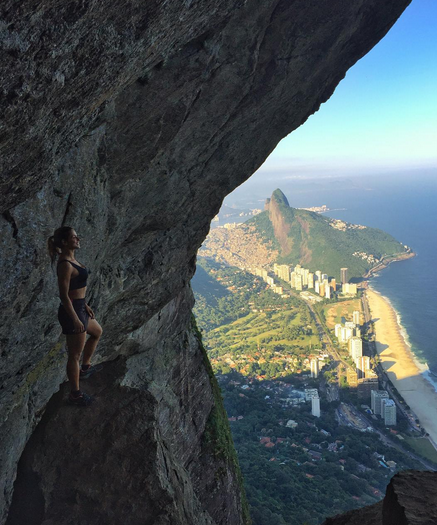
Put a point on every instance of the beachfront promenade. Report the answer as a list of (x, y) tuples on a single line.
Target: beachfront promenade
[(400, 365)]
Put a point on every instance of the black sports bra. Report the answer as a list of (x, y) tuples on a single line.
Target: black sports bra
[(80, 280)]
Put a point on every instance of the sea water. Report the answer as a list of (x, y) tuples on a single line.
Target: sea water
[(404, 205)]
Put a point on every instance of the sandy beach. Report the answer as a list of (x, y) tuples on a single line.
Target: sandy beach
[(398, 361)]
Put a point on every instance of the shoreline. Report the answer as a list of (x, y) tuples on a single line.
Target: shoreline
[(385, 263), (403, 368)]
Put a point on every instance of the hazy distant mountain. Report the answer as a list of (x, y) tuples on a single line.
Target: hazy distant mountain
[(318, 242)]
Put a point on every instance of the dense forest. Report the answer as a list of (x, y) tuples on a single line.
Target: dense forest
[(315, 470)]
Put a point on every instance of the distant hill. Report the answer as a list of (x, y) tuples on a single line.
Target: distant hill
[(318, 242)]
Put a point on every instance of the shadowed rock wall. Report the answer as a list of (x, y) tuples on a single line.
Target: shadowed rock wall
[(131, 121), (410, 499)]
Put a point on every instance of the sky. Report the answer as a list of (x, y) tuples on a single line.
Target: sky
[(382, 116)]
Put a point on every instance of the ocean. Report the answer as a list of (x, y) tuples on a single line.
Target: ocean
[(404, 205)]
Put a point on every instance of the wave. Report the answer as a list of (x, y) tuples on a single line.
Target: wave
[(431, 378)]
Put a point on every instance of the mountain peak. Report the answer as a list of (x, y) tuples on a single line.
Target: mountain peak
[(277, 200), (279, 197)]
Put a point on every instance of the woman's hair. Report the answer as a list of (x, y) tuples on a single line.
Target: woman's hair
[(54, 243)]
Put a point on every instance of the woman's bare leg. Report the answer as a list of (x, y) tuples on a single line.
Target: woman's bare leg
[(75, 346), (95, 331)]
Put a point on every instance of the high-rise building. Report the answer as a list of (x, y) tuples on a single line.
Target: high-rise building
[(283, 272), (327, 292), (322, 289), (317, 286), (324, 276), (314, 364), (298, 282), (315, 406), (366, 386), (356, 317), (355, 347), (349, 289), (346, 333), (363, 364), (333, 285), (319, 275), (376, 397), (337, 329), (310, 280), (305, 273), (352, 378), (343, 276), (388, 411)]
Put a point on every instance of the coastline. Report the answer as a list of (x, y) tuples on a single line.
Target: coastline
[(403, 368), (386, 262)]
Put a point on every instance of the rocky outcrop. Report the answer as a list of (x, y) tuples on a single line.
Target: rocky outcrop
[(411, 499), (149, 433), (275, 206), (131, 121)]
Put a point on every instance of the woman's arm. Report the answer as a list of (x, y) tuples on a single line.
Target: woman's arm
[(90, 312), (64, 276)]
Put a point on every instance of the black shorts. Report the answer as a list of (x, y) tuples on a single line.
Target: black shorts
[(67, 322)]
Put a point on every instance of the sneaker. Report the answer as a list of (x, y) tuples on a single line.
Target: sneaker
[(82, 400), (85, 374)]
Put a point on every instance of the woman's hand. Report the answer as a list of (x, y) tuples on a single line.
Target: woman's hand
[(90, 312), (78, 326)]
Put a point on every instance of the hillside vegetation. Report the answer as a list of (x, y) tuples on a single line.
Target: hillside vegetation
[(321, 243)]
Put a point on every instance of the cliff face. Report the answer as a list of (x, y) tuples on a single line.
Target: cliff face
[(131, 121), (281, 227)]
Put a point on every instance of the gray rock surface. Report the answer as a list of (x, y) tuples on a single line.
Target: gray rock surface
[(144, 435), (410, 499), (131, 121)]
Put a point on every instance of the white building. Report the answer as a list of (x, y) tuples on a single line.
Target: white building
[(327, 292), (315, 406), (346, 333), (317, 286), (355, 347), (310, 280), (376, 397), (388, 411), (282, 271), (298, 282), (363, 365), (337, 329), (356, 317), (349, 289), (315, 367)]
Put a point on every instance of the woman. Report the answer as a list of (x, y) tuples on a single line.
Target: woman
[(76, 317)]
